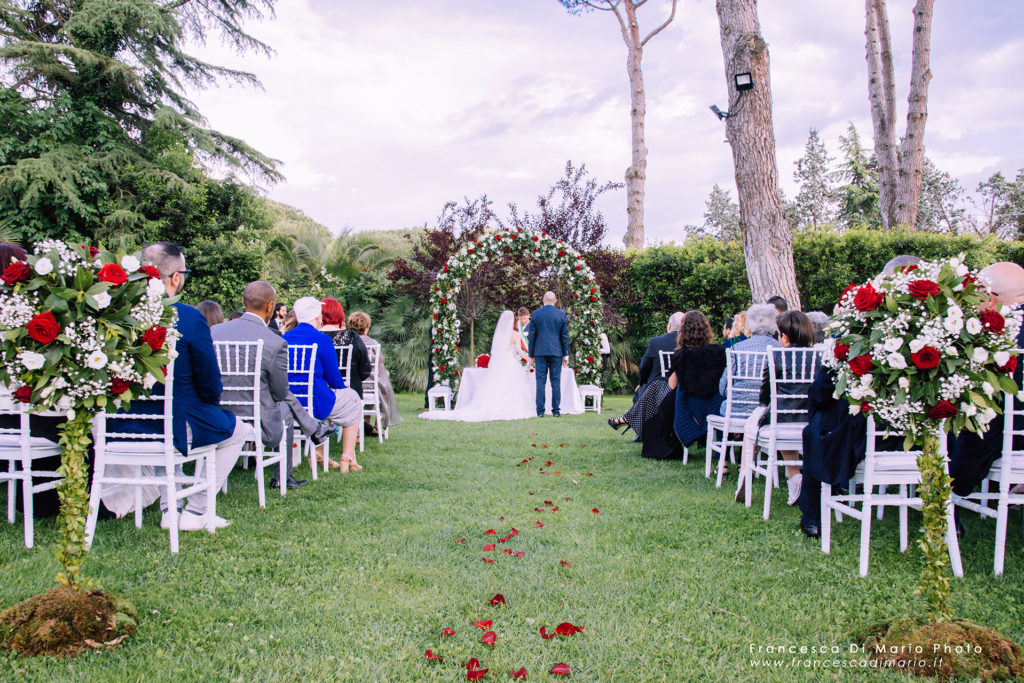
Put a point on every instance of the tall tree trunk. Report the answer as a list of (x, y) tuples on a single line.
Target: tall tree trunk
[(636, 174), (908, 195), (767, 239), (882, 94)]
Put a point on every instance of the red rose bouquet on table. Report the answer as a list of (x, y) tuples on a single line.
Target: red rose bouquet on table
[(920, 350), (81, 330), (483, 360)]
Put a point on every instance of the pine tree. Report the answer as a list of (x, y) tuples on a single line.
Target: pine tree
[(858, 195), (815, 202), (721, 217)]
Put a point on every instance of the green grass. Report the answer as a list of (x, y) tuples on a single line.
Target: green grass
[(354, 576)]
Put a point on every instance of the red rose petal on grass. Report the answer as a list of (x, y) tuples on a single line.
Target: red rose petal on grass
[(429, 654), (504, 539), (565, 564), (547, 463), (531, 493), (489, 638), (534, 445), (568, 629), (538, 509), (525, 460), (548, 502), (567, 500), (596, 511), (448, 631), (476, 674), (487, 560), (563, 669), (489, 546), (540, 524), (460, 540), (490, 532), (472, 664), (513, 532), (483, 625), (501, 519), (498, 599), (521, 674), (520, 554), (545, 446), (506, 551), (588, 474), (554, 509), (545, 635)]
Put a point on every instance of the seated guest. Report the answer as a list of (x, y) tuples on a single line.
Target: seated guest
[(696, 368), (212, 311), (795, 331), (235, 315), (359, 323), (780, 304), (280, 312), (334, 327), (819, 320), (727, 328), (650, 362), (332, 400), (739, 331), (971, 456), (289, 322), (760, 322), (277, 403), (197, 389)]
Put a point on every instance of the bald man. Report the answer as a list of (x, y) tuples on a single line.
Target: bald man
[(548, 335), (971, 456)]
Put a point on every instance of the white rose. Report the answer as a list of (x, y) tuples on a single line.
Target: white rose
[(988, 388), (951, 351), (44, 266), (130, 263), (854, 409), (855, 392), (866, 380), (953, 325), (896, 360), (893, 344), (32, 360), (148, 381), (955, 311), (961, 270), (916, 345), (980, 355), (970, 410), (102, 299), (96, 360), (64, 403), (974, 326), (1001, 357), (155, 287), (986, 416), (904, 382)]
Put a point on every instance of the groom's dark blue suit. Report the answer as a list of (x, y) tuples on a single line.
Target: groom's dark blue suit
[(548, 333)]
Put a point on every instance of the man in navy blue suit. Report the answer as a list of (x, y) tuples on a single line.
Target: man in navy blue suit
[(197, 386), (548, 333)]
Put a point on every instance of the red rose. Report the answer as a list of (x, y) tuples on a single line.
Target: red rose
[(969, 279), (1010, 367), (865, 407), (155, 337), (909, 268), (927, 358), (993, 321), (112, 273), (17, 271), (23, 393), (442, 368), (92, 250), (151, 271), (593, 298), (592, 290), (849, 288), (841, 351), (922, 289), (497, 236), (118, 386), (536, 239), (561, 252), (578, 267), (942, 409), (861, 365), (470, 251), (435, 316), (444, 300), (867, 299), (590, 359), (483, 360), (163, 369), (43, 327)]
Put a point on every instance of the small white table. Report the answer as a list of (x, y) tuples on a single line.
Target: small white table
[(595, 393), (440, 393)]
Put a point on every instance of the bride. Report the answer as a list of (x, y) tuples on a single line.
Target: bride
[(505, 390)]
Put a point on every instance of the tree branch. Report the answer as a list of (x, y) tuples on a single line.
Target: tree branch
[(658, 30)]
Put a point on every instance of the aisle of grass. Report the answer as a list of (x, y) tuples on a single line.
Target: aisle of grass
[(354, 576)]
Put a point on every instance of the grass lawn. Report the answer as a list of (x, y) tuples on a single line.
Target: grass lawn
[(354, 577)]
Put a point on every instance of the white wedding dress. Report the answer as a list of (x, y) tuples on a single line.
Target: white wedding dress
[(505, 390)]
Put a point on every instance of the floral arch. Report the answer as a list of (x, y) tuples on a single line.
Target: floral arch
[(584, 327)]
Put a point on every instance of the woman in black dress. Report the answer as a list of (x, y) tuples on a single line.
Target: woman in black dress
[(334, 327)]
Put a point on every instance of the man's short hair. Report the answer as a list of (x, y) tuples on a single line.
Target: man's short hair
[(780, 304), (257, 295), (523, 310), (761, 319), (166, 256), (897, 262), (550, 298), (675, 321)]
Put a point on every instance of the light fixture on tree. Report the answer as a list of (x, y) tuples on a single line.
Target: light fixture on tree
[(743, 82)]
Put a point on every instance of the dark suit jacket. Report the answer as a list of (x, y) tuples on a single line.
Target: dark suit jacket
[(834, 440), (548, 333), (649, 363)]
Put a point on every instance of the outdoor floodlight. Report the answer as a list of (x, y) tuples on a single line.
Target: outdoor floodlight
[(744, 81)]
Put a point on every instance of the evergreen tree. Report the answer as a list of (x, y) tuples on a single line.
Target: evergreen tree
[(721, 217), (1002, 205), (858, 195), (815, 201), (942, 205)]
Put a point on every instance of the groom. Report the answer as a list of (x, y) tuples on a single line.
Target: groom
[(548, 335)]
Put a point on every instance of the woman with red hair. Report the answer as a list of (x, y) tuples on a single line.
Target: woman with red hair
[(334, 327)]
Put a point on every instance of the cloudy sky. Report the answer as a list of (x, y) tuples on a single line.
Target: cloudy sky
[(383, 111)]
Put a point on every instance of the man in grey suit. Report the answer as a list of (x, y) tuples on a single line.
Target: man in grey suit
[(276, 400)]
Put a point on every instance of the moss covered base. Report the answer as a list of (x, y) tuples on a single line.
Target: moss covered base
[(945, 650), (64, 620)]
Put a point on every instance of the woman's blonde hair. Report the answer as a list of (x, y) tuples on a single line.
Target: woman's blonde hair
[(359, 322), (739, 325)]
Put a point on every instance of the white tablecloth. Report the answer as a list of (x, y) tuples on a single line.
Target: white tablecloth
[(571, 402)]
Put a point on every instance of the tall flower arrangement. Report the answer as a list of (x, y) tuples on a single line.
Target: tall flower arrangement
[(584, 326), (81, 330), (919, 350)]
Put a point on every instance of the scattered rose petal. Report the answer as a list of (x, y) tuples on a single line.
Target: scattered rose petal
[(489, 638), (534, 445), (504, 539), (513, 532), (538, 509), (533, 433), (429, 654), (565, 564), (548, 502), (476, 674), (563, 669), (567, 500), (588, 474), (488, 546), (531, 493), (483, 625), (472, 664), (548, 463), (596, 511), (545, 446), (460, 540), (498, 599), (487, 560), (540, 524), (554, 509), (567, 629), (506, 551), (583, 446), (501, 519), (545, 635), (521, 674), (490, 532), (447, 631), (525, 460), (520, 554)]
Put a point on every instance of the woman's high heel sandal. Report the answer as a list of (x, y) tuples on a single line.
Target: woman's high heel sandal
[(616, 422), (351, 464)]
